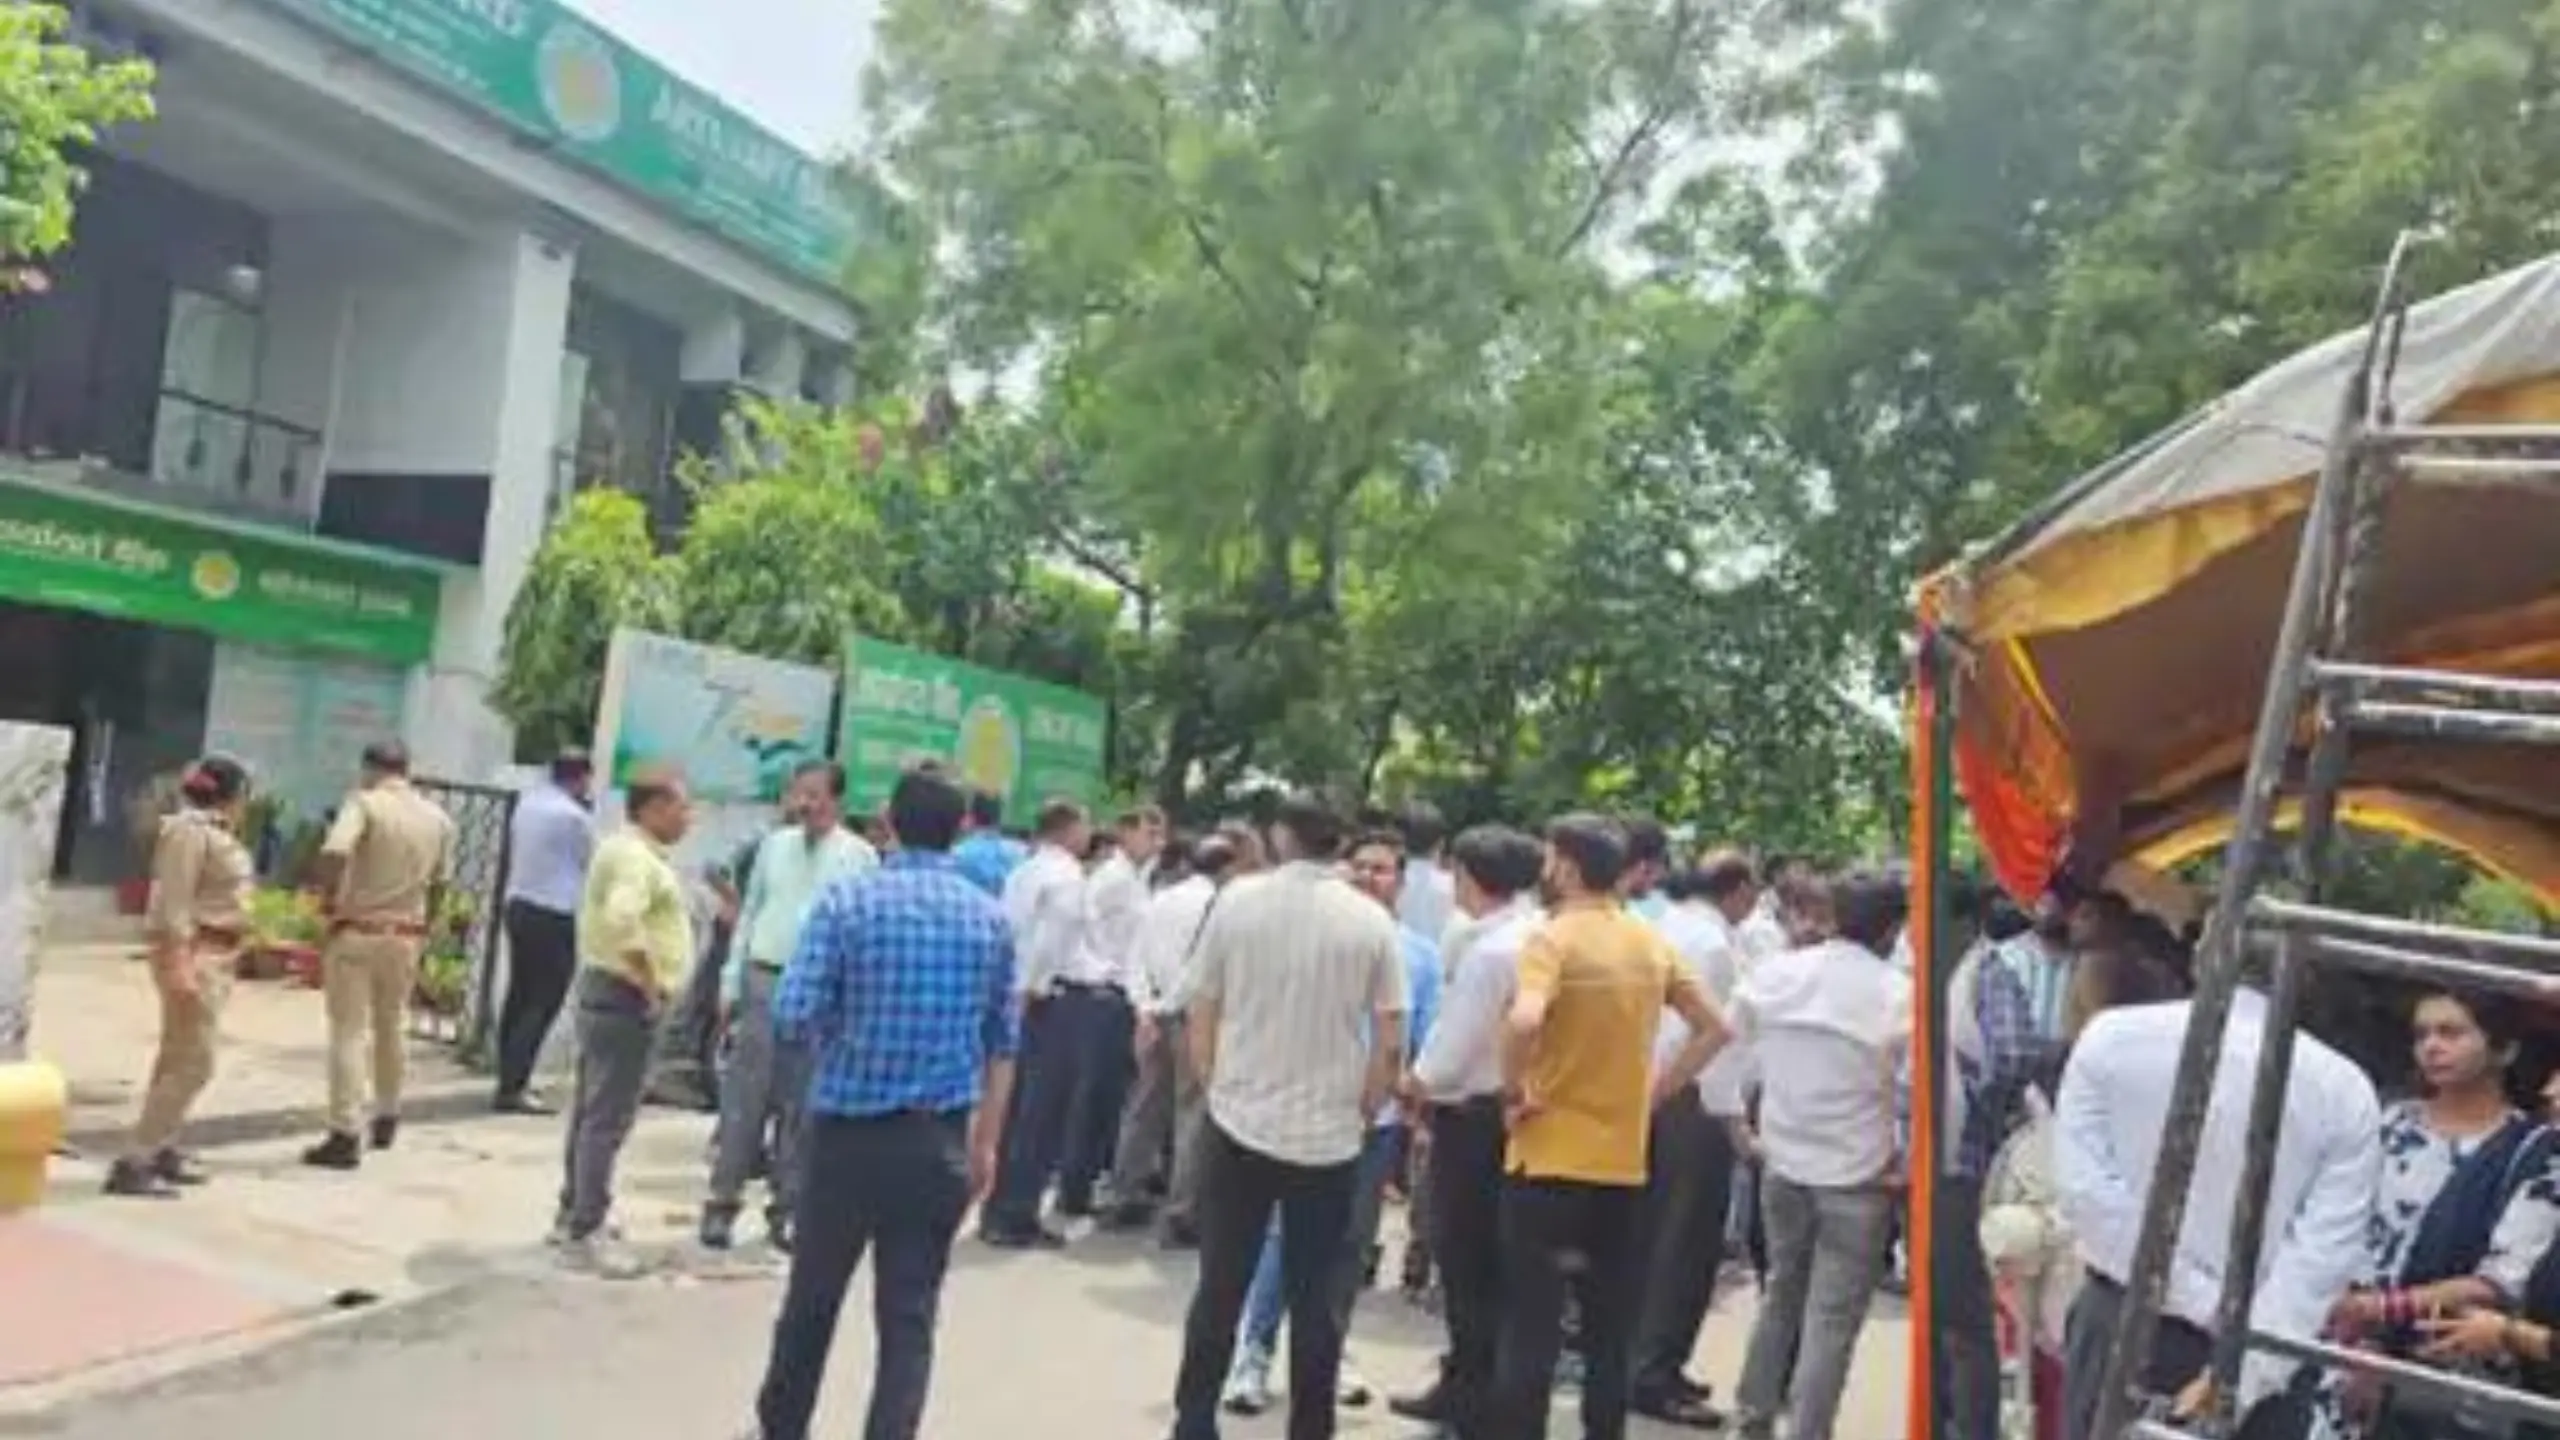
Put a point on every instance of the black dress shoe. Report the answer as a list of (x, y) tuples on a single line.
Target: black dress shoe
[(174, 1166), (719, 1228), (339, 1151), (1017, 1237), (386, 1129), (1128, 1215), (1178, 1235), (137, 1180), (1686, 1411)]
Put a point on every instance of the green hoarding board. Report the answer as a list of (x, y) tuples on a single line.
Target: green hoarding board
[(1021, 739), (136, 562), (537, 66)]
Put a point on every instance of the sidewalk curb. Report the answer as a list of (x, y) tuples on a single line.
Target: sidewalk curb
[(30, 1409)]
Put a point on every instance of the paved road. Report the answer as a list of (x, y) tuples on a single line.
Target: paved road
[(1081, 1345)]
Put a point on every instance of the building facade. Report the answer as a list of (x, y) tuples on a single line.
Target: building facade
[(339, 330)]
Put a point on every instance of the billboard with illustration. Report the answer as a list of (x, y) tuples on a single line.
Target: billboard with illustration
[(735, 725), (1021, 739)]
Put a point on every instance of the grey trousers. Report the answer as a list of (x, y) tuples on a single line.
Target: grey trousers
[(617, 1029), (2179, 1353), (1826, 1258), (1164, 1104), (764, 1093)]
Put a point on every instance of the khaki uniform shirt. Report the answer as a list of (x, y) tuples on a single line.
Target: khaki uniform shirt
[(397, 845), (200, 878)]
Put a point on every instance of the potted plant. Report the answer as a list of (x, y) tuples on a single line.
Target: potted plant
[(444, 968), (284, 936)]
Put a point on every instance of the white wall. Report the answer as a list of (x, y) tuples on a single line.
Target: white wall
[(518, 389)]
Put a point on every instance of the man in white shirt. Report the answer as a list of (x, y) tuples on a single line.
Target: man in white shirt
[(1164, 1103), (1764, 931), (1116, 892), (1065, 1011), (1458, 1077), (1692, 1154), (2107, 1126), (1829, 1026), (1297, 1026), (1429, 899)]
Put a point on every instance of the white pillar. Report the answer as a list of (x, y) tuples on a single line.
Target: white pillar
[(453, 732), (35, 766)]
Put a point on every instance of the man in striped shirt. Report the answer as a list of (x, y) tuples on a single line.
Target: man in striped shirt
[(1297, 1028)]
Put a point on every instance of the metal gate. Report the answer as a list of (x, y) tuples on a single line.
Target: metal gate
[(482, 816)]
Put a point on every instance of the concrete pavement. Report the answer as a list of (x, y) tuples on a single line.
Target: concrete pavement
[(413, 1299)]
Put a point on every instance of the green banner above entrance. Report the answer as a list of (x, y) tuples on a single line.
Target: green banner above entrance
[(137, 562), (1016, 738), (537, 66)]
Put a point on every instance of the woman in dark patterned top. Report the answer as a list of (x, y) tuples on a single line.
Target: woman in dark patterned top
[(2469, 1200)]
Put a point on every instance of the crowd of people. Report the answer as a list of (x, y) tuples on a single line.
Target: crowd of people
[(2426, 1229), (1586, 1065), (1591, 1067)]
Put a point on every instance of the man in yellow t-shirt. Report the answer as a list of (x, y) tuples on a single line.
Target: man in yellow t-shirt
[(1580, 1089)]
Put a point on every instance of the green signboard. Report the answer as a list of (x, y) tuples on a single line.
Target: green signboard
[(1017, 738), (538, 67), (120, 558)]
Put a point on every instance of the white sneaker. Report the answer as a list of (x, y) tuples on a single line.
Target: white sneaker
[(602, 1255), (1248, 1389), (1350, 1388)]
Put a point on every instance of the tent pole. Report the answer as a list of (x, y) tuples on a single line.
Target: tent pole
[(1932, 819)]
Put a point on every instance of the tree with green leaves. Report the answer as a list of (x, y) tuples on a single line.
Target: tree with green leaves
[(1316, 297), (597, 570), (55, 98)]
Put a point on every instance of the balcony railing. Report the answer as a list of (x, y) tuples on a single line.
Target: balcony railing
[(236, 456), (196, 452)]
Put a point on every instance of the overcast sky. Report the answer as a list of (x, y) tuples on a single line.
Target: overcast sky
[(791, 65)]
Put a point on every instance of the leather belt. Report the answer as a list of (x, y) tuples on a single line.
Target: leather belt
[(380, 929), (222, 937)]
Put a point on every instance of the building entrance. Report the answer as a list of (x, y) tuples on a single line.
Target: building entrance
[(132, 696)]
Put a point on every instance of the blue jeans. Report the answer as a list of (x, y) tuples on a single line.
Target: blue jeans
[(1266, 1301)]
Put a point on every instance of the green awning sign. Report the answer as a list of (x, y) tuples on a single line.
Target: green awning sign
[(138, 562), (539, 67), (1020, 739)]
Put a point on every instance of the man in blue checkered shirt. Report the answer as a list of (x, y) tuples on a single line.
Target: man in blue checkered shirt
[(903, 986)]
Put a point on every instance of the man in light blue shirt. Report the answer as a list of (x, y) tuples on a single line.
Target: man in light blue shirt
[(768, 1078), (549, 837), (986, 855)]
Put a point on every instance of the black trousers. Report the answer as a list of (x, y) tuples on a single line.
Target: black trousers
[(1563, 1237), (1066, 1074), (1466, 1229), (1239, 1188), (1688, 1200), (1967, 1321), (894, 1187), (542, 955)]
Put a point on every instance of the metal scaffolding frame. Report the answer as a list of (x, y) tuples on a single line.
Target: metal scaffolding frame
[(2316, 665)]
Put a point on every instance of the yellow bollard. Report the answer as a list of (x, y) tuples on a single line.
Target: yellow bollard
[(34, 1098)]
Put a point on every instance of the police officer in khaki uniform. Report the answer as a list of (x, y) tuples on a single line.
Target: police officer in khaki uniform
[(380, 872), (199, 916)]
